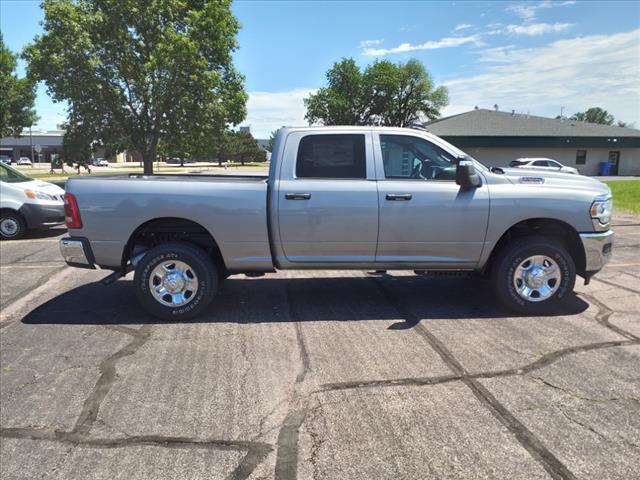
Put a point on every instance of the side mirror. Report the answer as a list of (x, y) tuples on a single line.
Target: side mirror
[(466, 175)]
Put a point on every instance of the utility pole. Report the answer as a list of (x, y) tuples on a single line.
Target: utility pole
[(31, 143), (561, 112)]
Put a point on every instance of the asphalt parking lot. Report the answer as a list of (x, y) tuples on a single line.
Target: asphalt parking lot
[(317, 375)]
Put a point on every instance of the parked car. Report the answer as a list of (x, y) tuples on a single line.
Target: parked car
[(343, 198), (24, 161), (6, 159), (26, 203), (101, 162), (542, 164)]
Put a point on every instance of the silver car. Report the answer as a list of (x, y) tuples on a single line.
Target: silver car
[(545, 164)]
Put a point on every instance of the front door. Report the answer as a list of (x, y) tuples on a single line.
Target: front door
[(425, 217), (614, 159), (328, 200)]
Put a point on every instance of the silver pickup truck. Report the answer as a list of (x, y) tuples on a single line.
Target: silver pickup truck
[(343, 198)]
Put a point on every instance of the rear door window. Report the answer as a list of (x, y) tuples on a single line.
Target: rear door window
[(332, 156)]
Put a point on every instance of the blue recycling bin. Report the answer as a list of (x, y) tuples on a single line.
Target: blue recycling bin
[(605, 169)]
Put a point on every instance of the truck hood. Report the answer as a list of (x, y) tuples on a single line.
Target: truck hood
[(524, 176)]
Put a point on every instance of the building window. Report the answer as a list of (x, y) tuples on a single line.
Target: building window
[(581, 157)]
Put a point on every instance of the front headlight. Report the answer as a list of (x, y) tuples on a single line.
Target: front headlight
[(35, 195), (601, 210)]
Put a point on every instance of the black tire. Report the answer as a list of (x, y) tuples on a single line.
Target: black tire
[(201, 264), (511, 256), (12, 226)]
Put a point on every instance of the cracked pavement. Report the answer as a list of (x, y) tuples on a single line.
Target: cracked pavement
[(317, 375)]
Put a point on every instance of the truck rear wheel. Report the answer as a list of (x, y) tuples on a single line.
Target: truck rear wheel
[(533, 275), (176, 281)]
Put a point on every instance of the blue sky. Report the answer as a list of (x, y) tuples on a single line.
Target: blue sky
[(532, 57)]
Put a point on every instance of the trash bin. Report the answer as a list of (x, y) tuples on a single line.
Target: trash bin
[(605, 169)]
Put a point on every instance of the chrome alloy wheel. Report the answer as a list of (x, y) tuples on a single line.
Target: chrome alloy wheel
[(173, 283), (9, 227), (537, 278)]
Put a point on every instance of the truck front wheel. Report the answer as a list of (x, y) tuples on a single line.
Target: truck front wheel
[(533, 275), (175, 281)]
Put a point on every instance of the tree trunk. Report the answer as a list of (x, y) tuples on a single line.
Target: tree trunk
[(242, 159), (147, 162)]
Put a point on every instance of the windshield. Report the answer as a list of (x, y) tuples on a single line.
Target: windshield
[(11, 175)]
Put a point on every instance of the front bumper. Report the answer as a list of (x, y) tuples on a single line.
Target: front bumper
[(42, 216), (597, 250), (77, 252)]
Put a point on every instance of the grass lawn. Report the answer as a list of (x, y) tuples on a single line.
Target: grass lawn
[(626, 195)]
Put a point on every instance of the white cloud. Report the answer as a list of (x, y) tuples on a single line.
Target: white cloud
[(596, 70), (430, 45), (534, 29), (462, 26), (529, 10), (370, 43), (267, 111)]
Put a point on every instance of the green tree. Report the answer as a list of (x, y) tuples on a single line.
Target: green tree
[(16, 98), (384, 93), (272, 140), (138, 73), (246, 148), (594, 115)]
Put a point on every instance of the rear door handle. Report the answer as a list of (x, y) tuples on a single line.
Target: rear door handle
[(297, 196), (399, 196)]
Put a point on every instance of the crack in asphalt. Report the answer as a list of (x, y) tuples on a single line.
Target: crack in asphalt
[(613, 284), (132, 440), (92, 404), (603, 316), (79, 435), (287, 456), (553, 466)]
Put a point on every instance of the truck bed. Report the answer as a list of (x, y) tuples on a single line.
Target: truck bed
[(232, 208)]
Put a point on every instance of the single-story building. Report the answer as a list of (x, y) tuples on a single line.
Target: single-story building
[(496, 138), (50, 142)]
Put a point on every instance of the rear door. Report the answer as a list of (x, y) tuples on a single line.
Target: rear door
[(327, 198), (425, 217)]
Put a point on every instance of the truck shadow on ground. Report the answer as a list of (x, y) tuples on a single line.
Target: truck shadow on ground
[(277, 299)]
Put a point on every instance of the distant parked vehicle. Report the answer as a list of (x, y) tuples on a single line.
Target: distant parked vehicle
[(25, 161), (180, 161), (6, 159), (100, 162), (545, 164), (26, 203)]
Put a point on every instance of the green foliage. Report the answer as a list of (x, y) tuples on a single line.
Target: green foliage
[(245, 148), (17, 97), (384, 93), (272, 141), (139, 74), (594, 115)]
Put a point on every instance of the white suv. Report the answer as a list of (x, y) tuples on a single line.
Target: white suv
[(542, 164)]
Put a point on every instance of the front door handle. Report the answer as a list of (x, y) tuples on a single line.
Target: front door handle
[(399, 196), (297, 196)]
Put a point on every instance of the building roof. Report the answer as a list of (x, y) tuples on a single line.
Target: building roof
[(45, 138), (492, 123)]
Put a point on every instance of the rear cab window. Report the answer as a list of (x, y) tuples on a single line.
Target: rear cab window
[(336, 156)]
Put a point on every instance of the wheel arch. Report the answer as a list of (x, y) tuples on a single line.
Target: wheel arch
[(545, 227), (160, 230)]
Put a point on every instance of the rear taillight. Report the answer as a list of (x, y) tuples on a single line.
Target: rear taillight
[(71, 211)]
